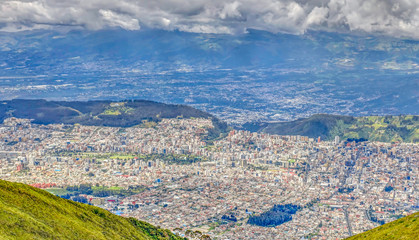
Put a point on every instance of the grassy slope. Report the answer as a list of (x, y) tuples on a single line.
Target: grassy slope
[(406, 228), (30, 213), (375, 128)]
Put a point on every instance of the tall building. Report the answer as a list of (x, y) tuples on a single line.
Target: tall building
[(337, 140)]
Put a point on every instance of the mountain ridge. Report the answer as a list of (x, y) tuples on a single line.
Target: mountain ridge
[(103, 113), (97, 112), (128, 113)]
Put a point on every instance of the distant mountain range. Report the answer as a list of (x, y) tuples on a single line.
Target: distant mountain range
[(154, 50), (404, 228), (257, 76), (373, 128), (31, 213)]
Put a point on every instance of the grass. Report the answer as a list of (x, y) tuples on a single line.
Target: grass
[(114, 112), (122, 156), (57, 191), (147, 124), (406, 228), (166, 158), (30, 213), (117, 109), (103, 188)]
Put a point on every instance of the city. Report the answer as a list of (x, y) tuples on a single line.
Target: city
[(188, 184)]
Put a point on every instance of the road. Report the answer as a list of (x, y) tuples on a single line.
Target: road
[(347, 221)]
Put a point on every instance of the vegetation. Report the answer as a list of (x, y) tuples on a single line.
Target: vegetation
[(230, 217), (404, 128), (404, 228), (101, 191), (180, 159), (57, 191), (30, 213), (277, 215), (104, 113), (315, 126), (385, 128)]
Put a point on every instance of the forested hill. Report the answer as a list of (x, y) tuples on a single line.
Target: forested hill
[(403, 128), (101, 113), (31, 213), (404, 228), (106, 113)]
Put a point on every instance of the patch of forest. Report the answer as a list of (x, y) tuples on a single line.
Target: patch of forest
[(277, 215)]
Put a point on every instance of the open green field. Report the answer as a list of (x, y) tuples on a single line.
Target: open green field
[(102, 188), (57, 191), (166, 158)]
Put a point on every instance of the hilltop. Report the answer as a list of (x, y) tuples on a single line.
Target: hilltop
[(31, 213), (403, 128), (403, 228), (102, 113)]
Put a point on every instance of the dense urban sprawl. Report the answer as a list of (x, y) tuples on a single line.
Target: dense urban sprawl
[(343, 188)]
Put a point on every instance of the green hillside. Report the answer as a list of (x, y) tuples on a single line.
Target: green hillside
[(403, 128), (317, 125), (103, 113), (96, 113), (381, 128), (31, 213), (406, 228)]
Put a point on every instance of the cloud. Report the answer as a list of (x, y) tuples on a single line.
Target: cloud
[(399, 18), (119, 20)]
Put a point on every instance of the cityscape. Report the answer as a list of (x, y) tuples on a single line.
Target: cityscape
[(186, 184)]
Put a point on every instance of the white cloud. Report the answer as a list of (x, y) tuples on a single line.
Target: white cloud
[(398, 18), (119, 20), (317, 16), (230, 10)]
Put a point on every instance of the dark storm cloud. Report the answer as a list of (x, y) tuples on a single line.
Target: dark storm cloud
[(389, 17)]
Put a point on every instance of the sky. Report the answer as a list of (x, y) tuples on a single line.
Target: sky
[(396, 18)]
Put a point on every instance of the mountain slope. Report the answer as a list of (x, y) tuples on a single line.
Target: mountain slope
[(403, 228), (31, 213), (316, 125), (105, 113), (102, 113), (404, 128)]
